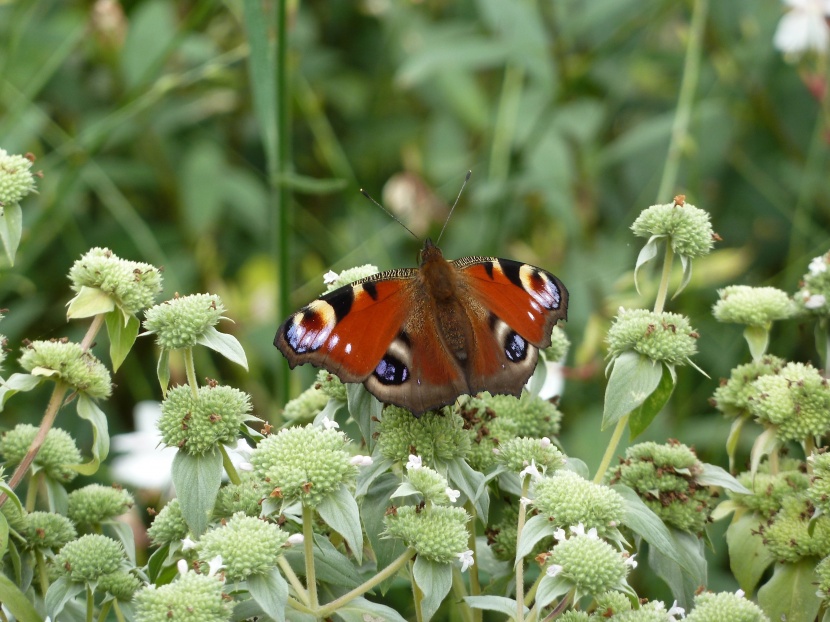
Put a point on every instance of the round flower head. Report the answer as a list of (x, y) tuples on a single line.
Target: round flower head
[(567, 499), (122, 585), (502, 536), (754, 306), (66, 361), (662, 337), (169, 524), (334, 281), (823, 574), (485, 430), (588, 564), (559, 345), (304, 463), (194, 597), (611, 603), (16, 178), (732, 396), (819, 490), (46, 530), (434, 436), (330, 385), (665, 478), (532, 415), (431, 485), (654, 611), (247, 546), (306, 405), (438, 533), (517, 453), (57, 451), (90, 557), (796, 401), (769, 491), (814, 296), (574, 616), (791, 535), (181, 322), (94, 504), (244, 497), (686, 227), (725, 607), (199, 425)]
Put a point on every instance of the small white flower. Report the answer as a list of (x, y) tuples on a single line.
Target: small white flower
[(182, 567), (579, 530), (295, 539), (466, 559), (215, 565), (803, 28), (612, 523), (452, 494), (559, 535), (532, 470), (592, 533), (245, 466), (545, 442), (817, 265), (188, 544), (329, 424), (740, 593), (330, 277), (820, 594), (525, 501), (815, 301), (676, 611), (414, 462), (553, 570), (496, 451), (361, 460), (630, 561)]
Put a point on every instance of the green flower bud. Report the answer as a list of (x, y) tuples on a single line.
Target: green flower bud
[(350, 275), (66, 361), (796, 401), (732, 396), (438, 533), (534, 417), (306, 405), (194, 598), (90, 557), (769, 491), (122, 585), (433, 436), (431, 484), (169, 524), (589, 564), (725, 607), (15, 516), (574, 616), (814, 296), (664, 337), (94, 504), (686, 226), (306, 463), (199, 425), (654, 611), (665, 478), (610, 603), (486, 430), (132, 285), (503, 534), (518, 453), (57, 451), (789, 535), (559, 345), (181, 322), (247, 546), (330, 385), (244, 497), (45, 530), (16, 179), (819, 490), (754, 306), (823, 574), (567, 500)]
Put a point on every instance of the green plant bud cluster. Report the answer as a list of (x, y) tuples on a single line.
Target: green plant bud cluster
[(15, 516), (532, 415), (769, 491), (304, 463), (687, 227), (438, 533), (123, 585), (796, 401), (66, 361), (58, 450), (182, 321), (131, 284), (47, 530), (823, 574), (590, 564), (306, 406), (753, 306), (244, 497), (732, 396), (790, 536), (16, 178), (665, 478), (193, 598), (819, 490), (568, 499), (435, 435), (574, 616), (517, 453), (610, 603), (93, 504), (559, 345), (725, 607), (197, 425), (90, 557), (662, 337), (431, 484), (485, 431), (814, 295), (247, 546), (503, 533), (169, 524), (654, 611), (350, 275), (330, 385)]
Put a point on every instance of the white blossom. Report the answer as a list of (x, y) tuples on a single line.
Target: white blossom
[(815, 301), (452, 494), (466, 559), (414, 462), (532, 470), (295, 539), (676, 611), (803, 28), (559, 535), (181, 565), (525, 501), (330, 277), (215, 565), (818, 265), (329, 424), (361, 460), (545, 442), (188, 544), (553, 570), (740, 593), (630, 561)]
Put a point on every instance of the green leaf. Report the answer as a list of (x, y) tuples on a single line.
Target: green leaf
[(363, 407), (59, 593), (501, 604), (686, 264), (163, 370), (88, 409), (123, 532), (361, 610), (435, 581), (122, 336), (225, 344), (11, 229), (90, 301), (311, 185), (472, 484), (714, 475), (369, 474), (791, 592), (633, 378), (4, 535), (734, 437), (642, 417), (647, 254), (405, 490), (373, 508), (17, 602), (262, 76), (535, 529), (683, 585), (155, 564), (551, 588), (748, 555), (270, 591), (757, 337), (766, 444), (56, 495), (197, 480), (17, 383), (339, 511), (332, 566)]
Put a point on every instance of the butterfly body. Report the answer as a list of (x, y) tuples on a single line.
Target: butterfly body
[(420, 337)]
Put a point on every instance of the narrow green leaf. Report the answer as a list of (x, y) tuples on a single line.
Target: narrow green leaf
[(647, 254), (766, 444), (405, 490), (686, 264), (197, 480), (502, 604), (88, 409), (734, 437), (363, 407), (535, 529), (339, 511), (633, 378), (683, 584), (435, 581), (270, 591), (122, 336), (642, 416), (373, 507), (791, 592), (311, 185), (11, 229), (163, 370), (59, 593), (156, 563), (4, 535), (90, 301), (17, 602), (551, 588), (471, 483), (714, 475), (123, 532), (225, 344), (369, 474), (17, 383), (262, 75), (362, 610), (748, 555)]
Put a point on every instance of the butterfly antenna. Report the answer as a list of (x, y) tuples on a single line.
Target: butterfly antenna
[(369, 196), (466, 179)]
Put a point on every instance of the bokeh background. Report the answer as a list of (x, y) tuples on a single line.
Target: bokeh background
[(145, 120)]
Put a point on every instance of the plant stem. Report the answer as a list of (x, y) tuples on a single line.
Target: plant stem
[(308, 546), (233, 475), (520, 579), (118, 613), (665, 277), (417, 595), (809, 448), (459, 591), (42, 574), (475, 584), (31, 493), (105, 609), (90, 604), (293, 579), (611, 449), (190, 370)]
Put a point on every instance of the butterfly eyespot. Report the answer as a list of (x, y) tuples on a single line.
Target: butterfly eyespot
[(391, 370), (515, 348)]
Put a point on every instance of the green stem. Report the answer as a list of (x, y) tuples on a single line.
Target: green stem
[(665, 277), (459, 591), (119, 615), (293, 579), (611, 449), (809, 448), (233, 475), (90, 604), (31, 493), (105, 609), (190, 370), (520, 566), (417, 595), (308, 546), (475, 583), (42, 573)]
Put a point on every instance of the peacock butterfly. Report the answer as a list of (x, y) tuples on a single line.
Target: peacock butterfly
[(421, 337)]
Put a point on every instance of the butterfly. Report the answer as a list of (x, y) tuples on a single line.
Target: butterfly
[(421, 337)]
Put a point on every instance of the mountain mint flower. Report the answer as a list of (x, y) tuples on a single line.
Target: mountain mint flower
[(16, 178), (485, 430), (168, 525), (46, 530), (819, 490), (732, 396), (466, 559), (57, 451), (686, 227), (304, 463), (725, 607), (244, 497), (198, 425), (94, 504), (790, 536), (333, 281), (360, 461), (501, 535), (66, 361), (122, 585), (823, 574), (247, 546), (430, 484), (329, 424), (612, 602), (814, 294), (567, 499), (574, 616), (769, 491), (433, 436), (438, 533), (413, 463), (306, 405), (531, 415), (754, 306), (330, 385), (90, 557), (803, 28), (517, 453), (182, 321), (662, 337), (192, 597)]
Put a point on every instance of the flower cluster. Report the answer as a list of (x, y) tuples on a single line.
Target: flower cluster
[(334, 281), (429, 484), (568, 499), (770, 490), (244, 497), (559, 345), (732, 396), (753, 306), (169, 524), (790, 535), (16, 178), (192, 597), (434, 436), (330, 385), (90, 557), (518, 453), (306, 405), (182, 321), (725, 607), (66, 361), (819, 491), (58, 451), (247, 546), (814, 295), (94, 504), (438, 533), (48, 531), (686, 226), (662, 337)]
